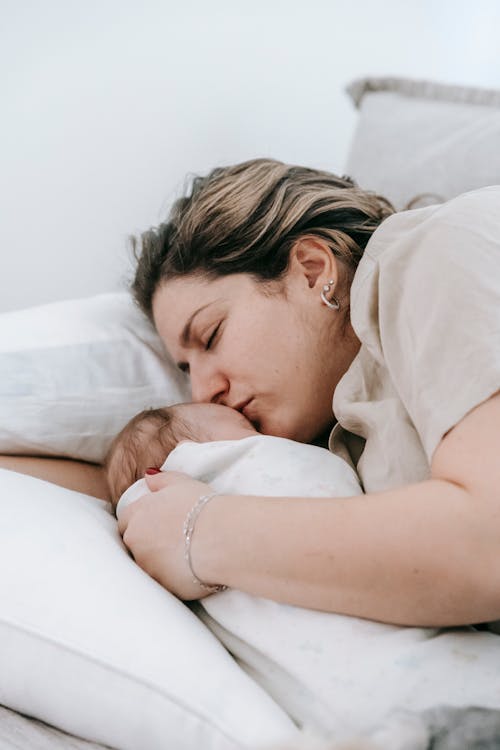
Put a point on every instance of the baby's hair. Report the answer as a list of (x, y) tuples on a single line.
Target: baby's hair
[(155, 432)]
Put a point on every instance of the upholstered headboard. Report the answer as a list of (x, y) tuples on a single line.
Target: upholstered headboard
[(420, 137)]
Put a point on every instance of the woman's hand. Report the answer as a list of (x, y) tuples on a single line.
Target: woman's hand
[(152, 529)]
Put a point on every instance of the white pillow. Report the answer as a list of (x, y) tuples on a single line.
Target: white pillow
[(91, 644), (73, 373), (420, 137)]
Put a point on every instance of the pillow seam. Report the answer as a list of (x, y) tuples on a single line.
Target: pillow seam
[(423, 89)]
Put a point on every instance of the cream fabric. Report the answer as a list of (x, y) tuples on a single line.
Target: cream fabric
[(425, 303)]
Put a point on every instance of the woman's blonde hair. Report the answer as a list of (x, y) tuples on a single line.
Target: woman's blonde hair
[(245, 218)]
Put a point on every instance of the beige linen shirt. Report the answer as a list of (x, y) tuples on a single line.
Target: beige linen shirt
[(425, 304)]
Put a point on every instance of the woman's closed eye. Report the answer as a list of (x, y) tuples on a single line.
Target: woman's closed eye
[(184, 366), (212, 337)]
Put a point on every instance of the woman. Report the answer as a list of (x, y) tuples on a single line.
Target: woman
[(279, 287)]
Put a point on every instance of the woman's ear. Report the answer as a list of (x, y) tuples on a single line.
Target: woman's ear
[(312, 259)]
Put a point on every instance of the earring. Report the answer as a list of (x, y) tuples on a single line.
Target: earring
[(333, 302)]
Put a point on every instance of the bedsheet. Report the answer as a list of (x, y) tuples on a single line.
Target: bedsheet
[(19, 732), (340, 673), (438, 729)]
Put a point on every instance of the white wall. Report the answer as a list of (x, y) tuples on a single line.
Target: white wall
[(106, 105)]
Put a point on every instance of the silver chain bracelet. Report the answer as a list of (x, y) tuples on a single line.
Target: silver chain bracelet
[(188, 529)]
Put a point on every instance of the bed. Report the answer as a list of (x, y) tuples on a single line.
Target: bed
[(73, 373)]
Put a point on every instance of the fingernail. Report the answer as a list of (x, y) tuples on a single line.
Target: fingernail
[(152, 470)]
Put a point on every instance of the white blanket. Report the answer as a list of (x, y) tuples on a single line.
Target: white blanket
[(329, 671)]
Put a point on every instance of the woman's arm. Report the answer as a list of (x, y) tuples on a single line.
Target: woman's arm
[(405, 557), (75, 475), (425, 554)]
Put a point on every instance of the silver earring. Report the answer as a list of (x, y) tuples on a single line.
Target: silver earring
[(333, 302)]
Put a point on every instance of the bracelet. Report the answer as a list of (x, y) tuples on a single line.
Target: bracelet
[(188, 529)]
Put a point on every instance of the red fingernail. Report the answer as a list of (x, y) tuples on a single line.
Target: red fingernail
[(152, 470)]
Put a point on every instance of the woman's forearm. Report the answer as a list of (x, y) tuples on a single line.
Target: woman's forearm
[(75, 475), (423, 555)]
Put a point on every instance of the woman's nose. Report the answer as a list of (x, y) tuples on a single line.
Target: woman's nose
[(207, 386)]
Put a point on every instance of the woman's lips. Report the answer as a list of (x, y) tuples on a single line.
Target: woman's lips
[(249, 412), (245, 410)]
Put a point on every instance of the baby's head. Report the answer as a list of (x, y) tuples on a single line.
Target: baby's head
[(152, 435)]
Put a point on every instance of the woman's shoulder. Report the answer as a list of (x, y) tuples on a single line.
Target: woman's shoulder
[(463, 234), (474, 212), (425, 306)]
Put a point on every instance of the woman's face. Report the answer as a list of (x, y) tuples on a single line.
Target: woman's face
[(270, 356), (209, 422)]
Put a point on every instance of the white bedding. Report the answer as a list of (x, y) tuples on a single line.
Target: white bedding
[(90, 644), (18, 732), (344, 674)]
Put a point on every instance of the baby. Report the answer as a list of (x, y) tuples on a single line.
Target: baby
[(150, 437), (218, 445)]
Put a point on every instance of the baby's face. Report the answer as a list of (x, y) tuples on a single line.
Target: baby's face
[(215, 422)]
